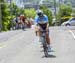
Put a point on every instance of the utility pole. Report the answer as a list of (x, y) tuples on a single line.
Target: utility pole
[(23, 4), (55, 7), (0, 16), (11, 13), (59, 10), (55, 11), (10, 7)]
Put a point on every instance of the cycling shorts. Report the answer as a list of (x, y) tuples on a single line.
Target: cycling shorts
[(43, 26)]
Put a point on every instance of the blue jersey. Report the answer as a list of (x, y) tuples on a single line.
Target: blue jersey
[(43, 19)]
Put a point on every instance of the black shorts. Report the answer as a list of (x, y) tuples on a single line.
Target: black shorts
[(16, 21), (43, 26)]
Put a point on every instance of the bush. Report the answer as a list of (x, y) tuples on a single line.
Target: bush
[(64, 13), (5, 14), (30, 12)]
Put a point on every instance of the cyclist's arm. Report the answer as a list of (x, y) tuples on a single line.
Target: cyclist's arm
[(36, 22), (47, 25), (46, 18)]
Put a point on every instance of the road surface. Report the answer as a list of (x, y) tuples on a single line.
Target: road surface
[(23, 46)]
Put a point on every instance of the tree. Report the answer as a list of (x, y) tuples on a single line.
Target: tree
[(63, 13), (48, 13), (30, 12), (5, 14), (15, 9)]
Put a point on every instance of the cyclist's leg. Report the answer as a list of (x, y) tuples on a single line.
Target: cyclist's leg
[(35, 30), (47, 37), (23, 25), (38, 31), (48, 40), (17, 25)]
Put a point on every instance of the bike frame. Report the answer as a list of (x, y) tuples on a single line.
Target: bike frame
[(44, 43)]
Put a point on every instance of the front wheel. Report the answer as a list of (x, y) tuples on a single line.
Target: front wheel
[(45, 48), (46, 52)]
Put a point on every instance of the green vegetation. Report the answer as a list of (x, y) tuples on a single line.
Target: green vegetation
[(5, 16), (30, 12), (15, 9), (10, 11), (64, 13)]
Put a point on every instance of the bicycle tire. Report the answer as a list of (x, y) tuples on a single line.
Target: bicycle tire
[(45, 47)]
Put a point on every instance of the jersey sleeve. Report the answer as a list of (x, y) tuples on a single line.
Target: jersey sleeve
[(46, 18), (36, 20)]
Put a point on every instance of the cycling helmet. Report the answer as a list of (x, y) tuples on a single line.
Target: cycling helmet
[(39, 12)]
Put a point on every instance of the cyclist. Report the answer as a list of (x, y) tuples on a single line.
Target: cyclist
[(17, 21), (23, 18), (43, 20)]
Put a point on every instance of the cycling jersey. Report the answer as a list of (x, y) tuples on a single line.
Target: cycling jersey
[(41, 19), (22, 18)]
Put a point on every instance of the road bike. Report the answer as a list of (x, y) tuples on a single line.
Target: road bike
[(44, 43)]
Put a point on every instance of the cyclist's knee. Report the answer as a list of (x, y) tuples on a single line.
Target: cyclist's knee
[(47, 33), (37, 29)]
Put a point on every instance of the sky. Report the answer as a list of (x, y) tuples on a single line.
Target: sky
[(21, 5), (18, 3)]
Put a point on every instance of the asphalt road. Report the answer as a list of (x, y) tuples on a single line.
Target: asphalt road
[(23, 46)]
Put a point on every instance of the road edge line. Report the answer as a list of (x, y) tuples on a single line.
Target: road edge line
[(72, 34)]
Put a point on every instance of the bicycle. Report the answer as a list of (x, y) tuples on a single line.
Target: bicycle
[(44, 43)]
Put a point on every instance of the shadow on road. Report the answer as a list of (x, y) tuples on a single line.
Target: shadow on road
[(50, 51), (49, 56)]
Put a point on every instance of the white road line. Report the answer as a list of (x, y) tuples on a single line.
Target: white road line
[(72, 34)]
